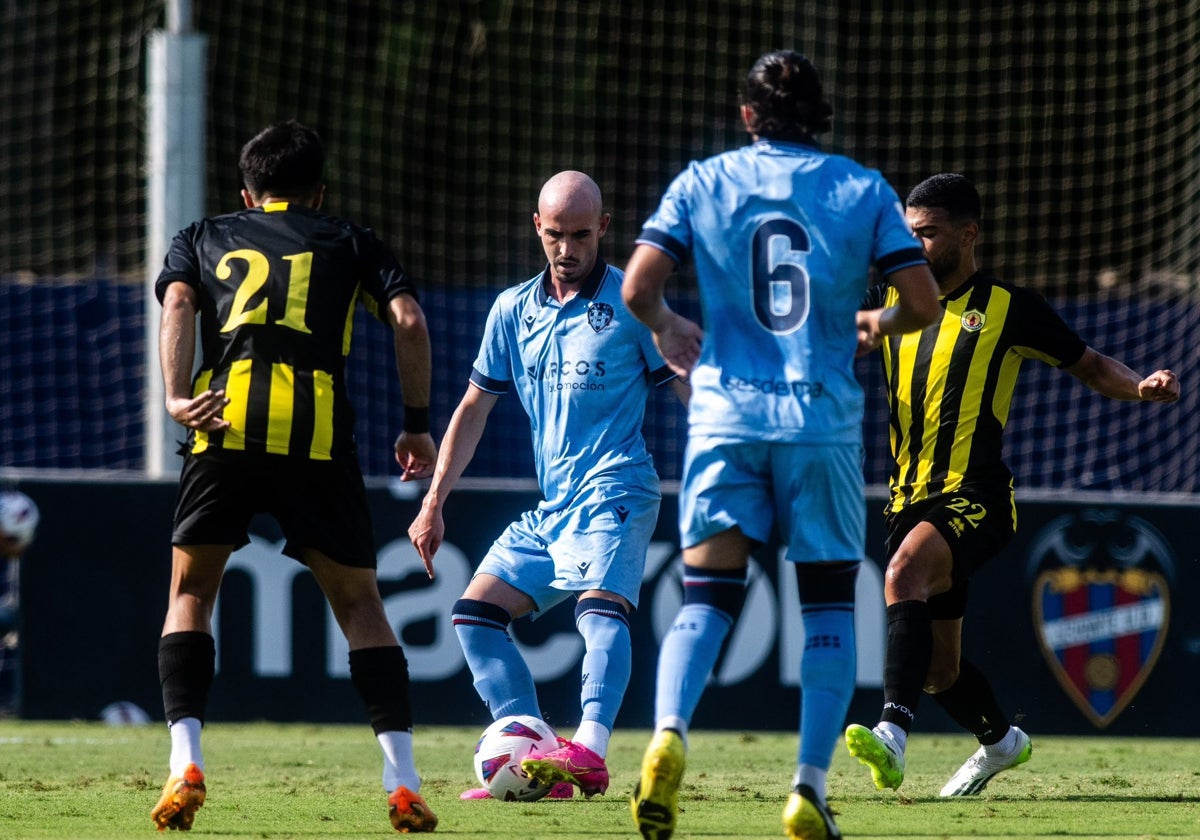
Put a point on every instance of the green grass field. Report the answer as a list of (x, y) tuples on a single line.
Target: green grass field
[(87, 780)]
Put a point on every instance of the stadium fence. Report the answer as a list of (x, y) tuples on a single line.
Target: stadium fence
[(1079, 121)]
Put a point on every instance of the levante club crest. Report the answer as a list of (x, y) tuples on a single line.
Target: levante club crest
[(1101, 605), (599, 315)]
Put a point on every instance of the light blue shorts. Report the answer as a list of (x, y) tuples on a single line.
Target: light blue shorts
[(814, 494), (599, 541)]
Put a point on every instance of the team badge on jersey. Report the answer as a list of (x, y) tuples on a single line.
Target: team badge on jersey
[(1101, 605), (973, 320), (600, 315)]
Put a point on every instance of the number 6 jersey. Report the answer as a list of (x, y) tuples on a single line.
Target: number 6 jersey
[(277, 286), (783, 237)]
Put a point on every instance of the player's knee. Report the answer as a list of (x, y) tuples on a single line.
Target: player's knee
[(902, 570), (489, 589), (602, 622), (909, 577), (722, 589), (473, 613), (826, 583)]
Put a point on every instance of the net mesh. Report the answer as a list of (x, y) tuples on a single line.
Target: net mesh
[(1078, 120)]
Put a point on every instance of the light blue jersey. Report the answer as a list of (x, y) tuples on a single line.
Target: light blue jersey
[(583, 371), (783, 237)]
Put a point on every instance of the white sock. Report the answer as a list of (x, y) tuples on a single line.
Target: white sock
[(593, 735), (399, 768), (674, 722), (185, 745), (898, 734), (814, 777), (1005, 745)]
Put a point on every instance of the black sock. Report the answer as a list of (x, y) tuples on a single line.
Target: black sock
[(972, 704), (380, 675), (186, 664), (909, 650)]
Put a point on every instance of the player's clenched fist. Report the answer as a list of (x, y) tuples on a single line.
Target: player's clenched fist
[(1160, 386)]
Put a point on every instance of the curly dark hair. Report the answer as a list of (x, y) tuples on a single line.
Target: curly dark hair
[(286, 160), (784, 93), (951, 192)]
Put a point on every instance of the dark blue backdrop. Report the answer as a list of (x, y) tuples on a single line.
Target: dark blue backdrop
[(71, 385)]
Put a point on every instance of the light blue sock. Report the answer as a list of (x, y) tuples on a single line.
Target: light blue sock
[(686, 658), (502, 678), (712, 602), (607, 661), (827, 673)]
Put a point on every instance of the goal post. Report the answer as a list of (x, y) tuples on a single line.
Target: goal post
[(175, 180)]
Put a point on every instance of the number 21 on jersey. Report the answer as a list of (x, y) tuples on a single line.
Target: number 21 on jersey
[(258, 271)]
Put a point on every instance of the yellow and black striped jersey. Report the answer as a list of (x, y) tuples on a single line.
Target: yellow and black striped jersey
[(277, 287), (950, 386)]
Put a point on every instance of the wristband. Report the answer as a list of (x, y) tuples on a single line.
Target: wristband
[(416, 420)]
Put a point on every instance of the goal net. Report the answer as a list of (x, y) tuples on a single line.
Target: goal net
[(1079, 121)]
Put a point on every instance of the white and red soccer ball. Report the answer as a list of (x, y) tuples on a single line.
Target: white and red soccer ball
[(499, 752)]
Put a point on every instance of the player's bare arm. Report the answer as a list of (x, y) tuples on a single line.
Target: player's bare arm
[(918, 302), (678, 341), (458, 448), (869, 334), (177, 353), (919, 305), (415, 451), (1111, 378), (682, 389), (677, 338)]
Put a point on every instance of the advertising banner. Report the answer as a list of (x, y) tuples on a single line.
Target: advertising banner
[(1076, 623)]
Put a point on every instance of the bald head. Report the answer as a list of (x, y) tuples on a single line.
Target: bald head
[(570, 220), (570, 190)]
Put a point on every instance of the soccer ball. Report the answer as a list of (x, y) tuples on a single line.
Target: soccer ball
[(18, 522), (124, 713), (498, 755)]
